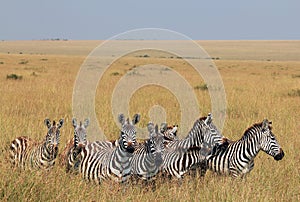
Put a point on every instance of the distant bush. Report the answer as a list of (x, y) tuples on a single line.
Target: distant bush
[(296, 76), (294, 93), (201, 87), (23, 62), (14, 77), (144, 56), (115, 74), (1, 63)]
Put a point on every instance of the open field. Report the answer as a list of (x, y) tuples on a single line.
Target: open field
[(261, 80)]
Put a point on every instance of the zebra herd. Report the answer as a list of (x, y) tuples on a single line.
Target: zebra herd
[(163, 154)]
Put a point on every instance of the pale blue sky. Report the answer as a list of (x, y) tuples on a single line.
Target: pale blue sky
[(95, 19)]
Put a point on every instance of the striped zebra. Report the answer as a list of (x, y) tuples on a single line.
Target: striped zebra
[(29, 154), (147, 158), (74, 146), (236, 158), (190, 153), (169, 132), (110, 160)]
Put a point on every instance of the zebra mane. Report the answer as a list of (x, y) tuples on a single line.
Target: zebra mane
[(202, 118), (195, 127), (248, 133)]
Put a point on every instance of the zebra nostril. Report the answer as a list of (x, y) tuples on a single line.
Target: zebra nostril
[(279, 156), (80, 145)]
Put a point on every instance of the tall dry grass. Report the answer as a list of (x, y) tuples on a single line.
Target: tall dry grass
[(255, 89)]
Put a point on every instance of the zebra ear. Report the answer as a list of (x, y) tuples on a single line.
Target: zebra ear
[(74, 122), (60, 124), (122, 119), (47, 123), (156, 129), (86, 122), (163, 127), (136, 119), (208, 119), (174, 130), (150, 127), (265, 124)]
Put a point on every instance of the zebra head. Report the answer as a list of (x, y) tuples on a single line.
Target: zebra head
[(269, 143), (215, 137), (128, 132), (53, 136), (80, 132), (155, 144), (169, 132), (212, 138), (79, 142)]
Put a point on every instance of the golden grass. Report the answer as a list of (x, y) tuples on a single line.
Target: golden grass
[(261, 80)]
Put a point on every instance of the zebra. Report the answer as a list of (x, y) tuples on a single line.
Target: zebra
[(236, 158), (169, 132), (190, 153), (74, 146), (110, 160), (29, 154), (147, 158)]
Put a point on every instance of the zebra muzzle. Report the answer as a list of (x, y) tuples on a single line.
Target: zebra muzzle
[(130, 147), (158, 160), (279, 156)]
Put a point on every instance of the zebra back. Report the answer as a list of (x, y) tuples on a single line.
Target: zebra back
[(236, 158), (27, 153)]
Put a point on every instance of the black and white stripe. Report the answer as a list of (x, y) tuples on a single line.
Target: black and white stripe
[(237, 158), (190, 153), (107, 160), (29, 154), (147, 159), (73, 148)]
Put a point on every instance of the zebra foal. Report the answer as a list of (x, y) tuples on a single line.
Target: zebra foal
[(147, 158), (74, 145), (29, 154)]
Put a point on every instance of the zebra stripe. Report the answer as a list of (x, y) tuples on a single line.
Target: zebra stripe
[(28, 154), (190, 153), (147, 159), (237, 158), (169, 132), (73, 147), (106, 160)]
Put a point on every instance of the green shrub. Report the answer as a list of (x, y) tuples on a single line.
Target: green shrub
[(201, 87), (14, 76), (294, 93)]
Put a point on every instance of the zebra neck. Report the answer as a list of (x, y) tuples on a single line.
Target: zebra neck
[(195, 136), (119, 164), (46, 153), (148, 150), (251, 142)]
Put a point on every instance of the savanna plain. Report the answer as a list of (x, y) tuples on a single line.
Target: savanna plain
[(261, 80)]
